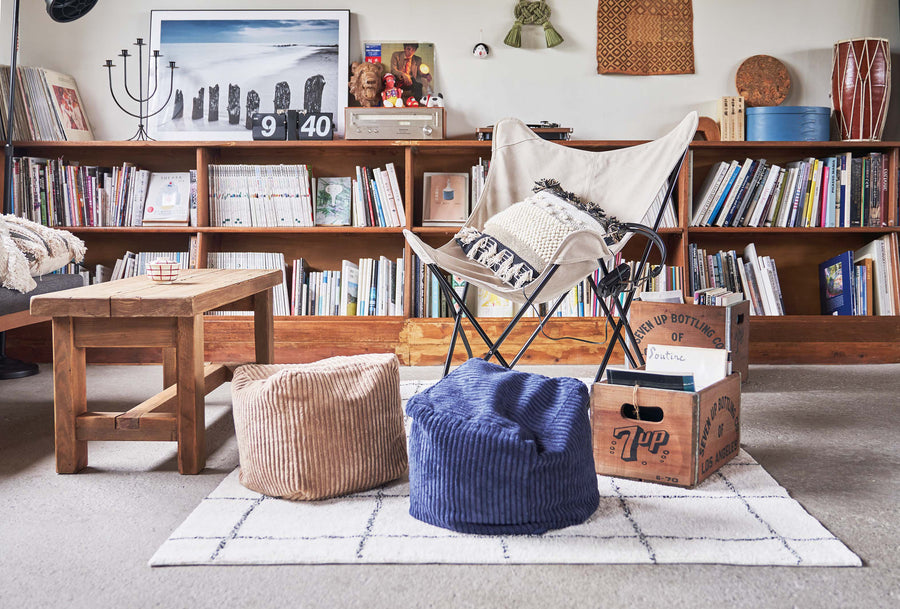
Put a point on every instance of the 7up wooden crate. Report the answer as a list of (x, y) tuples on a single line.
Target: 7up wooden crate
[(669, 437)]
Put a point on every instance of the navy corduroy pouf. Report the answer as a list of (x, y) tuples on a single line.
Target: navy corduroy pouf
[(495, 451)]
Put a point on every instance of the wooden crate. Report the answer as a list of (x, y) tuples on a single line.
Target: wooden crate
[(680, 438), (688, 325)]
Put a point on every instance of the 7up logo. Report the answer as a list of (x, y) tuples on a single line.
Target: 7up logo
[(635, 436)]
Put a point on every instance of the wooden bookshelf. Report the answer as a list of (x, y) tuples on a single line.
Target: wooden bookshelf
[(802, 336)]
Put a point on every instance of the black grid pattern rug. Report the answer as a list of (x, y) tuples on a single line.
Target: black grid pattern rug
[(740, 515)]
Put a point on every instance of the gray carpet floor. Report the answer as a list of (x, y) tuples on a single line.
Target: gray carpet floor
[(827, 434)]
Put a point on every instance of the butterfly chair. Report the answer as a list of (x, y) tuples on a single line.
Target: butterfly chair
[(550, 216)]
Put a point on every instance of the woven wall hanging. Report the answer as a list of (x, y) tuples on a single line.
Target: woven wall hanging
[(644, 37), (532, 13)]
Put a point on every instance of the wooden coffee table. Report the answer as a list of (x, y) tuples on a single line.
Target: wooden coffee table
[(136, 312)]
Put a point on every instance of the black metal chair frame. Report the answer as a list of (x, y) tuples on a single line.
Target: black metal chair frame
[(457, 302)]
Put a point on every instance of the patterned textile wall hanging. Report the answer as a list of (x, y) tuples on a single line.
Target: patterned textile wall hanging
[(643, 37)]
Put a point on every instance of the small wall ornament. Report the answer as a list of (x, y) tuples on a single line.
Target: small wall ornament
[(528, 12)]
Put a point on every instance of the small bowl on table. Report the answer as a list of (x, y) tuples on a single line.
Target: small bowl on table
[(163, 270)]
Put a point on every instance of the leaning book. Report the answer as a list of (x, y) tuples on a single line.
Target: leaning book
[(168, 198), (333, 201), (66, 102)]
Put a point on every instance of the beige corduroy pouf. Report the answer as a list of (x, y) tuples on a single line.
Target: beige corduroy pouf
[(319, 430)]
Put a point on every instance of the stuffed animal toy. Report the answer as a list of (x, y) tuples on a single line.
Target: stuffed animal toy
[(366, 83)]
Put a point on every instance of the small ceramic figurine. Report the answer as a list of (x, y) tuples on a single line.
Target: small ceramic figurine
[(481, 50), (432, 101), (411, 102), (391, 93)]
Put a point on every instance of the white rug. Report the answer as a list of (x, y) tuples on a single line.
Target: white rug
[(740, 515)]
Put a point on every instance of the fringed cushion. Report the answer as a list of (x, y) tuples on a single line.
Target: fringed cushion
[(28, 249), (519, 242), (313, 431), (495, 451)]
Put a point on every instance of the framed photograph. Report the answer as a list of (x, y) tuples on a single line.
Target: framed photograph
[(232, 63), (411, 63), (446, 199)]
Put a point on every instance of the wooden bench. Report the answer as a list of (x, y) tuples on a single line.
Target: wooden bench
[(14, 313), (136, 312)]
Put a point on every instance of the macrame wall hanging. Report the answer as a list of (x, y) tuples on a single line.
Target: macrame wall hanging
[(532, 13)]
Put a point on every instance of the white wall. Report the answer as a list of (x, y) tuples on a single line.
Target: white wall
[(533, 83)]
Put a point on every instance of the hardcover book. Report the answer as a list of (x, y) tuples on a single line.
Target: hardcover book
[(333, 201), (168, 198), (836, 285)]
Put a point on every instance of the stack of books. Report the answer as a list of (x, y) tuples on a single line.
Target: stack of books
[(862, 282), (377, 197), (55, 192), (368, 287), (748, 276), (253, 260), (835, 191), (260, 195)]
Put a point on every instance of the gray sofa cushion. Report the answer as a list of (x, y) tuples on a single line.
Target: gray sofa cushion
[(12, 301)]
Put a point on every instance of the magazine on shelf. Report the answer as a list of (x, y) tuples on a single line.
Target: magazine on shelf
[(333, 201), (168, 200), (67, 104)]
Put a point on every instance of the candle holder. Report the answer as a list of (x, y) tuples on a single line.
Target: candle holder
[(144, 95)]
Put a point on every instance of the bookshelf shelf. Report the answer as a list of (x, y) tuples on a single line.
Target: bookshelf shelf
[(802, 336)]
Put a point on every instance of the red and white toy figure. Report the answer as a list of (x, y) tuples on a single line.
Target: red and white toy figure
[(411, 102), (391, 93), (432, 101)]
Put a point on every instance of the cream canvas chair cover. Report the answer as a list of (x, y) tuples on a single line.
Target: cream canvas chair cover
[(624, 182)]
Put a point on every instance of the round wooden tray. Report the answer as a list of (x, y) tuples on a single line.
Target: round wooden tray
[(763, 80)]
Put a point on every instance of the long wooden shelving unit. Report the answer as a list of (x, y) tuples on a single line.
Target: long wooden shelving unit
[(802, 336)]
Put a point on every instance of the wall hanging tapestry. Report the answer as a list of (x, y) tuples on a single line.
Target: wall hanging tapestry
[(643, 37)]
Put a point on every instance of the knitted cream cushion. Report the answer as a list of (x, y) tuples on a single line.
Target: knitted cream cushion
[(519, 242), (319, 430)]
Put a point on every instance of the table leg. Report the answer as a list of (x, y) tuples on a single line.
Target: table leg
[(191, 395), (264, 327), (168, 363), (69, 396)]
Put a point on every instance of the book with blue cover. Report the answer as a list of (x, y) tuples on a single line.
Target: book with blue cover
[(836, 285)]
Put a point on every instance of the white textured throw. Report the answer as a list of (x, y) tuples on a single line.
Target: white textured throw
[(30, 249), (740, 516)]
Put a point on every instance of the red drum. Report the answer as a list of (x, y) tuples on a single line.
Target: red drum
[(861, 86)]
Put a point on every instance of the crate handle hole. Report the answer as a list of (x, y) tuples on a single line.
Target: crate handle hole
[(651, 414), (740, 318)]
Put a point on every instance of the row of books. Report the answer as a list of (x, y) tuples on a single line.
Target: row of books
[(254, 260), (48, 106), (754, 277), (669, 219), (862, 282), (368, 287), (55, 192), (260, 195), (581, 301), (835, 191), (288, 195)]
